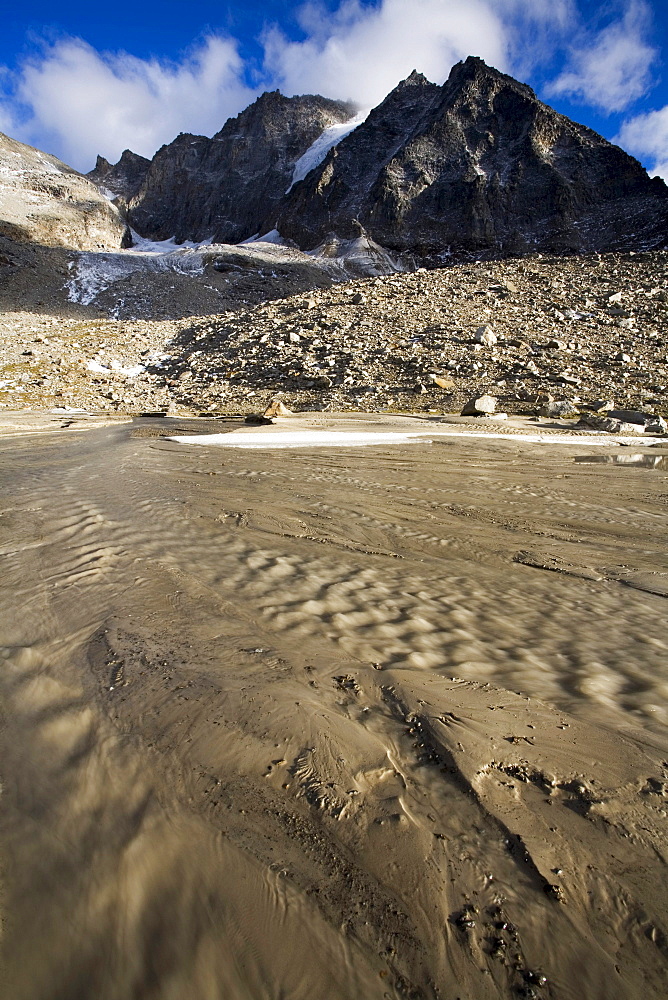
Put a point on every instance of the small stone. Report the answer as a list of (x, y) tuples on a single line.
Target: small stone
[(558, 408), (617, 297), (601, 405), (294, 337), (622, 358), (656, 426), (479, 406), (257, 418), (358, 299), (485, 335), (443, 383)]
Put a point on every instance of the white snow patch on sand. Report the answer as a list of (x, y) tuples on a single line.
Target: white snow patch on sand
[(116, 367), (280, 438), (299, 439)]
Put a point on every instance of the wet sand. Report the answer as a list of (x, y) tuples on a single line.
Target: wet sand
[(331, 722)]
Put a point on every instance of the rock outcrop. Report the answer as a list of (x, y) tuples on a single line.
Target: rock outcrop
[(121, 180), (477, 166), (221, 189), (42, 200)]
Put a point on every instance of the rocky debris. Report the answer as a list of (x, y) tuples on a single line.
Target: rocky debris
[(409, 346), (227, 188), (480, 406), (637, 417), (44, 201), (129, 285), (626, 422), (610, 424), (479, 165)]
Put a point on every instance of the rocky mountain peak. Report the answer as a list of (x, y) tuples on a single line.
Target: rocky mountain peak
[(476, 166), (222, 188), (122, 179), (473, 69), (414, 79)]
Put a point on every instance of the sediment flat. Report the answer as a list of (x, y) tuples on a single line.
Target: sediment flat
[(383, 721)]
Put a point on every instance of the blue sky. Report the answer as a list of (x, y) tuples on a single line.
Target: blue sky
[(78, 79)]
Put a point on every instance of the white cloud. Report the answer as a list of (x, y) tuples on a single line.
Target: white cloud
[(612, 68), (84, 102), (646, 136), (75, 102), (360, 53)]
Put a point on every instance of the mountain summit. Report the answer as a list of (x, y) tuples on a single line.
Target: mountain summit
[(476, 166), (222, 188), (479, 165)]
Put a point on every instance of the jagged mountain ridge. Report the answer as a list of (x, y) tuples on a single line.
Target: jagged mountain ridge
[(121, 180), (221, 189), (476, 166)]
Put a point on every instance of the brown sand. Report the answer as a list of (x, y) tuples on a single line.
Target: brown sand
[(363, 723)]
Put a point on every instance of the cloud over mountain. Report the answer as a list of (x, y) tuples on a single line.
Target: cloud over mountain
[(646, 136), (77, 101), (84, 101), (612, 68)]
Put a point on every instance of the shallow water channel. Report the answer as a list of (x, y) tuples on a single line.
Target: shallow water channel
[(364, 722)]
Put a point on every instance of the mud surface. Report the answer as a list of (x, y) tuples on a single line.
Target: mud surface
[(376, 722)]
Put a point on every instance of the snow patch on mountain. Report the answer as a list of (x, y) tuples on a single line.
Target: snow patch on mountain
[(92, 273), (317, 152), (141, 245), (273, 236)]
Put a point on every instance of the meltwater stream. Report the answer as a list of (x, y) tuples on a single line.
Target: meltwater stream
[(221, 774)]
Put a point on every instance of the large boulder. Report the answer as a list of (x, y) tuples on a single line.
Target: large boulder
[(479, 406)]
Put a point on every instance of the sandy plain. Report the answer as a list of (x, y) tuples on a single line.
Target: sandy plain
[(331, 722)]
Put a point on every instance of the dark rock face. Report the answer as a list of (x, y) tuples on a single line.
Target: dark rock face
[(478, 165), (122, 179), (223, 188)]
